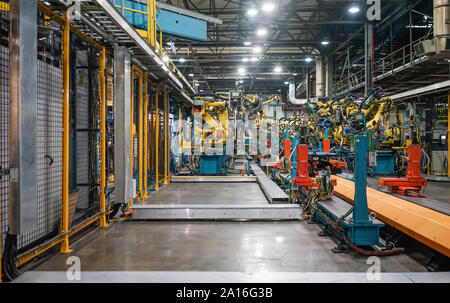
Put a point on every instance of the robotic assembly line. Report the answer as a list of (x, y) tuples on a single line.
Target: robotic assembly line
[(224, 141)]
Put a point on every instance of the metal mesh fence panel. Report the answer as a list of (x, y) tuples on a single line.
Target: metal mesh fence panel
[(48, 133)]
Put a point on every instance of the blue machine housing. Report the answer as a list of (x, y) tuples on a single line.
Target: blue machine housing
[(213, 165), (385, 164), (171, 23)]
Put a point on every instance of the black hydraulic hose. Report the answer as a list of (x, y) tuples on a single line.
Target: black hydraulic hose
[(379, 253), (9, 258)]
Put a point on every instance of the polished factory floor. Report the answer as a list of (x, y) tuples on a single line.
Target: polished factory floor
[(208, 193), (218, 247), (160, 249)]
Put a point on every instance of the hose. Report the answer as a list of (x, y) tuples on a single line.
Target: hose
[(9, 258), (378, 253)]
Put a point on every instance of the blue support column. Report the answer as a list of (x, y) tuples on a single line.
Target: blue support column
[(361, 210)]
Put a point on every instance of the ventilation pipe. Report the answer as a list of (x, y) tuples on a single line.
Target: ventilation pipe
[(320, 77), (441, 12), (439, 46), (291, 96)]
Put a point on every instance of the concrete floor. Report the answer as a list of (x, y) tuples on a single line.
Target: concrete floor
[(208, 193), (218, 247)]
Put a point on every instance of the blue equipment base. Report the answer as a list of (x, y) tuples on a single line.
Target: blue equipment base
[(362, 234), (213, 165)]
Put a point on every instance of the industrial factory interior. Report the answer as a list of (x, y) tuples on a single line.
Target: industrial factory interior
[(224, 141)]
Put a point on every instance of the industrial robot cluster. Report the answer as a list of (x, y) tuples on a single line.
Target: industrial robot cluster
[(323, 136), (350, 136)]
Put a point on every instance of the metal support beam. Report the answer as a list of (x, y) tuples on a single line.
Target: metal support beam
[(145, 134), (23, 110), (122, 125), (329, 76), (369, 49), (157, 138), (166, 137), (64, 248), (102, 137)]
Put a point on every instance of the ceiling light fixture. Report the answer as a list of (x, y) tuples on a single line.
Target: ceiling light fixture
[(252, 12), (182, 60), (277, 69), (245, 60), (268, 7), (257, 50), (286, 83), (325, 42), (309, 59), (353, 9), (247, 43), (241, 70), (261, 32), (191, 75), (254, 59)]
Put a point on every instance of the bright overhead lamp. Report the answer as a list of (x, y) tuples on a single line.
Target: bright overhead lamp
[(247, 43), (277, 69), (245, 60), (252, 12), (182, 60), (309, 59), (191, 75), (294, 74), (268, 7), (257, 49), (325, 42), (354, 9), (241, 70), (261, 32), (241, 81), (286, 83), (197, 84), (254, 59)]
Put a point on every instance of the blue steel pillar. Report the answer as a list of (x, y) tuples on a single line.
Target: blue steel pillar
[(361, 210)]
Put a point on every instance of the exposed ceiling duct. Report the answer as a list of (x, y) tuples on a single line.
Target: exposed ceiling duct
[(439, 46), (291, 96)]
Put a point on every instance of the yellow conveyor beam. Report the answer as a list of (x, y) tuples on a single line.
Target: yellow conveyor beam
[(425, 225)]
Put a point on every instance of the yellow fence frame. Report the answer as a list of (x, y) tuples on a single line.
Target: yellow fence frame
[(65, 232)]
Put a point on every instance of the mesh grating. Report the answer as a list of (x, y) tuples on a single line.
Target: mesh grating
[(48, 134)]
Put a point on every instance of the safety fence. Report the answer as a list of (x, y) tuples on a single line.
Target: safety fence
[(75, 135)]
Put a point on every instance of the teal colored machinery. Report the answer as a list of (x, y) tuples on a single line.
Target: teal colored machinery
[(361, 230), (213, 165), (171, 23), (385, 164)]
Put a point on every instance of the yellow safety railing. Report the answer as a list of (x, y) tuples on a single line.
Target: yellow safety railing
[(400, 57)]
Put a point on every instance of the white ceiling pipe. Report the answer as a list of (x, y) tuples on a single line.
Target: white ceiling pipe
[(291, 96)]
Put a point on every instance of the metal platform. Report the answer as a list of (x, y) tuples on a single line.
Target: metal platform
[(339, 207), (216, 212), (213, 179), (271, 190)]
